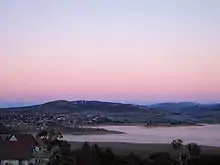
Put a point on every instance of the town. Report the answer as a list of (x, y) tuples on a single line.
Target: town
[(30, 121)]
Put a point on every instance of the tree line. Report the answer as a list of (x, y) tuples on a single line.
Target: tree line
[(94, 155)]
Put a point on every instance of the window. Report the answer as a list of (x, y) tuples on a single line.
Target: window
[(37, 149), (13, 138), (20, 162), (7, 163)]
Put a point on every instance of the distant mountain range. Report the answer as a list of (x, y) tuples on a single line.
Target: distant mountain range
[(163, 112), (81, 105), (185, 107), (189, 111)]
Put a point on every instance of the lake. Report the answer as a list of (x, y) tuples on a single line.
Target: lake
[(207, 135)]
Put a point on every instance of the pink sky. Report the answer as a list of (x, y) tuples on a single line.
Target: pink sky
[(150, 56)]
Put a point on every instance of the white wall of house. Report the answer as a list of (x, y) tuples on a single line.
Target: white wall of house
[(33, 160), (13, 162), (39, 160), (10, 162), (25, 162)]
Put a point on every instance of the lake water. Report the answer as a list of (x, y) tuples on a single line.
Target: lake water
[(208, 135)]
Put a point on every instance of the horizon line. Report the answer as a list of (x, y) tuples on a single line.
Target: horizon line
[(9, 104)]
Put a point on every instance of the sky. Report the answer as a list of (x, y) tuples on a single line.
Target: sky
[(138, 51)]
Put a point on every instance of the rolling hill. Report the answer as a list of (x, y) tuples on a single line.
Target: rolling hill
[(117, 111), (79, 106), (189, 111), (184, 112)]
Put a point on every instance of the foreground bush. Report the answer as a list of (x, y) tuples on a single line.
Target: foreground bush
[(94, 155)]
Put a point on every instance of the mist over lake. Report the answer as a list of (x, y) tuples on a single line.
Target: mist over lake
[(207, 135)]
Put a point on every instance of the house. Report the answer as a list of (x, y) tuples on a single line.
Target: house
[(4, 130), (21, 149)]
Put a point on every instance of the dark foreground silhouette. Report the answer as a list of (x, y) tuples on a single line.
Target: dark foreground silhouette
[(94, 155)]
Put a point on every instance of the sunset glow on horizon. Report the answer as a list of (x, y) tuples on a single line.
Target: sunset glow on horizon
[(121, 50)]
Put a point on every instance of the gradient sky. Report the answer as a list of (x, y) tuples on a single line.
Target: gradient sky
[(136, 51)]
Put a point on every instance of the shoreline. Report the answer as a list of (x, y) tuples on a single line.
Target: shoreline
[(144, 125), (79, 131), (104, 130)]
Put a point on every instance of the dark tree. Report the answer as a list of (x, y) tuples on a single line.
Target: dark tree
[(194, 149), (178, 146)]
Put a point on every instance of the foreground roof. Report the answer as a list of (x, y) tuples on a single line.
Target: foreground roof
[(4, 130), (16, 146)]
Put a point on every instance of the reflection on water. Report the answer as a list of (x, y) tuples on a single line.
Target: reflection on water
[(208, 135)]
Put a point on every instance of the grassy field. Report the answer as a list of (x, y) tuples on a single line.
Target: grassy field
[(143, 150)]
